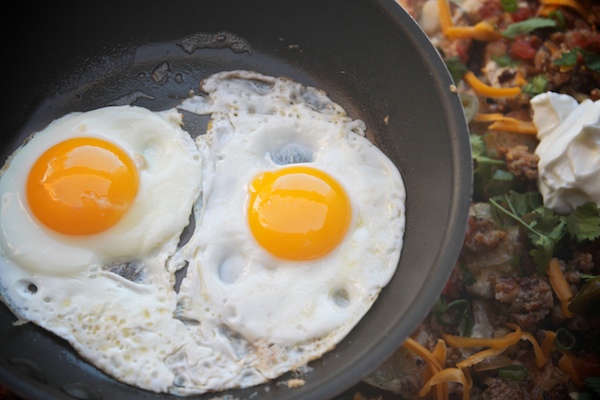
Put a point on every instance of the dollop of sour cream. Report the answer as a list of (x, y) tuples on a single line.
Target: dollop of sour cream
[(569, 150)]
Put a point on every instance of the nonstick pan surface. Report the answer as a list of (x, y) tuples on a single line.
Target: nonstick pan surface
[(368, 55)]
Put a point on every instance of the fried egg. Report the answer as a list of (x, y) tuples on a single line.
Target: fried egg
[(92, 207), (299, 226), (299, 223)]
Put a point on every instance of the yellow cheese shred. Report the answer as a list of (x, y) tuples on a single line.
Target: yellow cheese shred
[(540, 357), (566, 3), (480, 356), (496, 346), (560, 286), (445, 15), (417, 348), (507, 124), (482, 31), (566, 364), (489, 91), (514, 125), (546, 10), (433, 363), (440, 353), (446, 376), (491, 117), (435, 360), (503, 342), (548, 343)]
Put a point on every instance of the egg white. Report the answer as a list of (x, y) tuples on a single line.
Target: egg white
[(110, 295), (169, 170), (277, 315)]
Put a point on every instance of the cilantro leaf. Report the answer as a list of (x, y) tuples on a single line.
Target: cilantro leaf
[(593, 382), (584, 223), (544, 228), (488, 178), (509, 6), (523, 203), (537, 85), (519, 28), (542, 253), (456, 67), (559, 17), (478, 147), (549, 224), (567, 59), (504, 60), (592, 60), (500, 182), (467, 276)]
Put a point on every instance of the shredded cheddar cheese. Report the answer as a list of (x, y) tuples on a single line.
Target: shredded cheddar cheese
[(480, 356), (508, 124), (566, 364), (488, 117), (503, 342), (560, 286), (440, 377), (489, 91), (422, 352), (566, 3), (440, 353), (482, 31), (548, 343), (445, 15), (519, 79), (540, 357), (546, 10), (446, 376), (433, 363)]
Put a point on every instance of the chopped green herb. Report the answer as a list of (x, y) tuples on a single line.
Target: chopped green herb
[(509, 6), (537, 85), (593, 382), (453, 314), (586, 277), (559, 17), (569, 59), (544, 228), (592, 60), (513, 372), (500, 182), (584, 223), (456, 67), (519, 28), (504, 60), (488, 178), (467, 276)]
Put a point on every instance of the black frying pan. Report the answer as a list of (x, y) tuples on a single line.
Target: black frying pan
[(369, 56)]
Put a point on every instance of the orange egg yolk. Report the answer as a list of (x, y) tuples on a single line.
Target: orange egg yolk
[(82, 186), (298, 212)]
